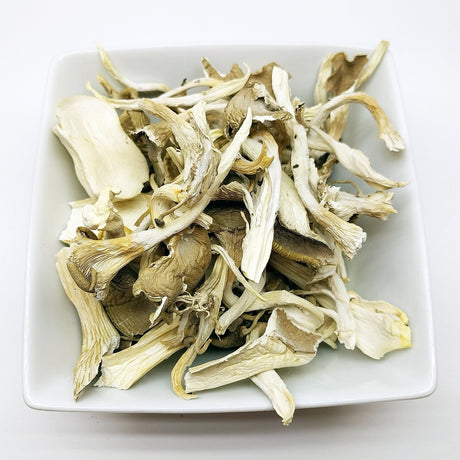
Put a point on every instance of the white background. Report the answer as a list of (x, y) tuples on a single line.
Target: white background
[(425, 43)]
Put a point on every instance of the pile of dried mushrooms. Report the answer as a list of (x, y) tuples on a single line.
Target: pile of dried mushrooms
[(211, 220)]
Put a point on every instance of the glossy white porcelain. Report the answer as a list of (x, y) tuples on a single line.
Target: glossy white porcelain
[(391, 266)]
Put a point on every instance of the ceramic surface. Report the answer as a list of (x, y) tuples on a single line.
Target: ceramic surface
[(391, 266)]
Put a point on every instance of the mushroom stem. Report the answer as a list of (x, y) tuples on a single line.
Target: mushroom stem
[(123, 369)]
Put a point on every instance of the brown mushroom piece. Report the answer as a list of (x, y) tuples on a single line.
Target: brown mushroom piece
[(229, 227), (232, 190), (129, 314), (233, 339), (344, 73), (179, 271), (212, 72), (299, 274), (257, 94), (300, 259), (299, 248)]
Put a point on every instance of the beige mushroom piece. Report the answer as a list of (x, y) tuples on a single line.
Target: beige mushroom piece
[(99, 337), (282, 345), (104, 156)]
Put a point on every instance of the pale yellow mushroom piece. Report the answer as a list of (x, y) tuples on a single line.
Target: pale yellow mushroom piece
[(99, 337), (262, 204), (129, 210), (282, 345), (380, 326), (118, 76), (204, 304), (103, 154), (346, 205), (274, 387), (123, 369), (348, 236), (356, 162)]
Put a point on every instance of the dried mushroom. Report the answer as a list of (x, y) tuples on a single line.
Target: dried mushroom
[(347, 205), (99, 337), (179, 271), (124, 368), (344, 73), (282, 345), (213, 220), (297, 247), (129, 210), (380, 326), (99, 261), (262, 204), (104, 156), (258, 95), (128, 313)]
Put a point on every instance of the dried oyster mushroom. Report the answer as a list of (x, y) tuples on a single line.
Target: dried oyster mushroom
[(344, 73), (132, 318), (129, 314), (239, 238), (346, 205), (133, 121), (292, 213), (297, 247), (258, 95), (211, 71), (99, 261), (340, 75), (380, 326), (129, 210), (90, 130), (124, 368), (282, 345), (99, 337), (263, 205), (179, 271), (118, 76), (275, 388)]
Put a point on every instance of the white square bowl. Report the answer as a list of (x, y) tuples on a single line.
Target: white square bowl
[(391, 266)]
